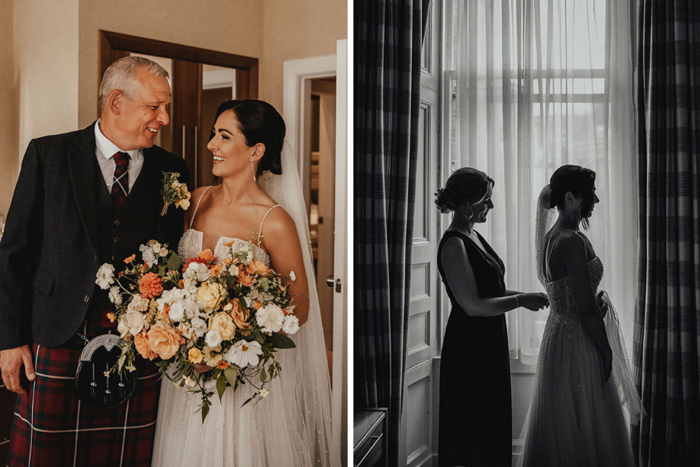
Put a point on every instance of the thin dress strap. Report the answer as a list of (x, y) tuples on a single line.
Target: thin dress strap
[(263, 220), (197, 206), (553, 243)]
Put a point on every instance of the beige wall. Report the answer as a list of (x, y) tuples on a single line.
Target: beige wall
[(9, 162), (46, 68), (232, 26), (297, 29)]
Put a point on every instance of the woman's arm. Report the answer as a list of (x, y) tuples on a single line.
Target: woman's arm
[(281, 241), (459, 276), (571, 249)]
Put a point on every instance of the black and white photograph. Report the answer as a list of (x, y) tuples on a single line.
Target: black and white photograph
[(526, 233)]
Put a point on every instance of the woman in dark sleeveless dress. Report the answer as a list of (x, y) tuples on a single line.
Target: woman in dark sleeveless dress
[(475, 403)]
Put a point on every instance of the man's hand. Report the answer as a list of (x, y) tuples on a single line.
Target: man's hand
[(11, 361)]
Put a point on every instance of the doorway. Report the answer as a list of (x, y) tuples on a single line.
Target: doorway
[(321, 83)]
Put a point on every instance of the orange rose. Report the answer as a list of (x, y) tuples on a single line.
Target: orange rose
[(142, 347), (206, 255), (259, 268), (144, 267), (151, 286), (166, 312), (164, 341), (223, 364), (215, 270), (181, 284), (257, 305), (130, 259), (111, 317), (245, 279), (240, 315)]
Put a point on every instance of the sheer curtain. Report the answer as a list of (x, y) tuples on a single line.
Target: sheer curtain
[(538, 84)]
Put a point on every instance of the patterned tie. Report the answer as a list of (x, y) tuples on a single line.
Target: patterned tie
[(120, 184)]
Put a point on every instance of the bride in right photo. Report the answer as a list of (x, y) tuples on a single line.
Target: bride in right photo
[(584, 390)]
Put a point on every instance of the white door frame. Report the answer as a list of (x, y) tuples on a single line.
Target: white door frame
[(298, 75)]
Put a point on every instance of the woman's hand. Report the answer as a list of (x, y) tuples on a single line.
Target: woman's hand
[(533, 301), (602, 304)]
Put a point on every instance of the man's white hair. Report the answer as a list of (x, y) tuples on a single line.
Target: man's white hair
[(121, 75)]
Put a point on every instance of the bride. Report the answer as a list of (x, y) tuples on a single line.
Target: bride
[(291, 426), (582, 381)]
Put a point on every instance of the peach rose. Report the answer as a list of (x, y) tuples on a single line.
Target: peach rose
[(223, 323), (164, 341), (211, 295), (240, 315), (206, 255), (142, 347)]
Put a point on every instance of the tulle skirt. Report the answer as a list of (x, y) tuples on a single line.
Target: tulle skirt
[(576, 419), (266, 434)]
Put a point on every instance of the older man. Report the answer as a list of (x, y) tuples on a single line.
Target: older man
[(82, 199)]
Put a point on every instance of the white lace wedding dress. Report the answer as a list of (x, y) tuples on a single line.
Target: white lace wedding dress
[(290, 427)]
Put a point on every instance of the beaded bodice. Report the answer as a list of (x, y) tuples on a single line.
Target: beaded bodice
[(191, 245), (561, 298)]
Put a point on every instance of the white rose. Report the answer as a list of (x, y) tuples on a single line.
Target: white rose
[(114, 296), (122, 328), (105, 276), (292, 276), (135, 321), (197, 271), (213, 338), (270, 318), (291, 324), (234, 270), (156, 248), (148, 255)]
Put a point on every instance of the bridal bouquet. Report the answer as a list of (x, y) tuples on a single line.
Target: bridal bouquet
[(231, 317)]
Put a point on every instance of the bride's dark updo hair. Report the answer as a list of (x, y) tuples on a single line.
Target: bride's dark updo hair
[(465, 185), (577, 180), (259, 123)]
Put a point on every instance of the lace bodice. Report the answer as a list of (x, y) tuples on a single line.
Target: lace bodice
[(192, 241), (561, 298), (191, 245)]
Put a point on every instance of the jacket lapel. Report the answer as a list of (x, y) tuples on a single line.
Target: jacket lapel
[(82, 166)]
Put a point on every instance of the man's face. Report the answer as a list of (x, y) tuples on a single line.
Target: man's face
[(142, 115)]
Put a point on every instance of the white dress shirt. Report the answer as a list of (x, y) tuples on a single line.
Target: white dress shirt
[(105, 151)]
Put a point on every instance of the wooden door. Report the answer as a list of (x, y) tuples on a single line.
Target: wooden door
[(419, 423)]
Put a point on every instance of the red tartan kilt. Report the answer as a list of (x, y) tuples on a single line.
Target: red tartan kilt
[(52, 427)]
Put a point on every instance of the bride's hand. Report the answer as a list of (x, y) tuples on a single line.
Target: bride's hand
[(202, 368), (602, 304), (533, 301)]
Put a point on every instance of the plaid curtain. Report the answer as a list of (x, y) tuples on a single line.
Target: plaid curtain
[(667, 323), (388, 37)]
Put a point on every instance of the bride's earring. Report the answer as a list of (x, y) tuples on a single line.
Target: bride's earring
[(252, 169)]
